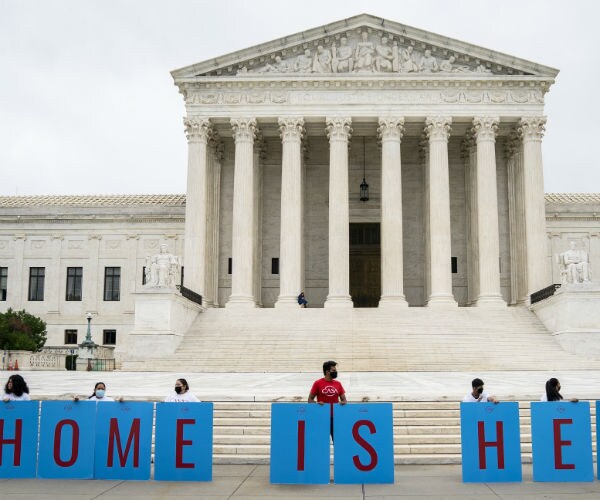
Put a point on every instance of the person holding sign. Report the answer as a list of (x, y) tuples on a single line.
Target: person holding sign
[(478, 395), (182, 393), (553, 392), (16, 389), (99, 394), (328, 390)]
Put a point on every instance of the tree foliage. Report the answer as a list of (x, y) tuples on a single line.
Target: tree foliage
[(21, 331)]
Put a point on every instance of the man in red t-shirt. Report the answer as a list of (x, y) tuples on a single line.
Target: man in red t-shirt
[(328, 390)]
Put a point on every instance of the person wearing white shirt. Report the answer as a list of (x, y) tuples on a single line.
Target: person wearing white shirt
[(99, 394), (553, 392), (478, 395), (182, 393), (16, 389)]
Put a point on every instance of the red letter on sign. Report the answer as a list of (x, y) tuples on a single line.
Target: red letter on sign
[(370, 450), (301, 433), (16, 441), (180, 443), (483, 444), (558, 443), (114, 434), (74, 443)]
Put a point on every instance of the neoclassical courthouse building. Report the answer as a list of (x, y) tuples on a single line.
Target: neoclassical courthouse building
[(366, 163)]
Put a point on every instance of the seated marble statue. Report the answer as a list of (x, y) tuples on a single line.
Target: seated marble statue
[(280, 66), (407, 62), (363, 55), (162, 269), (343, 60), (303, 63), (428, 63), (322, 60), (575, 267), (384, 59)]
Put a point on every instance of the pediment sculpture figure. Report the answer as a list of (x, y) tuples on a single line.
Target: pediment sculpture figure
[(343, 60), (303, 62), (162, 269), (574, 265), (428, 63), (407, 62), (384, 59), (322, 61), (363, 56), (448, 66)]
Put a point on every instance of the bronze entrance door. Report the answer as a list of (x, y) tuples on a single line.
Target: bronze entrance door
[(365, 264)]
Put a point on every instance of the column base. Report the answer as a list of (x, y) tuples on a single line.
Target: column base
[(390, 301), (240, 301), (442, 300), (339, 301), (490, 301), (287, 302)]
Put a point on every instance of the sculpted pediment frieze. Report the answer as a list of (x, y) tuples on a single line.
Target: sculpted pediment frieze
[(364, 45)]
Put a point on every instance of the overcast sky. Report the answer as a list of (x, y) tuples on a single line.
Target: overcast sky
[(87, 104)]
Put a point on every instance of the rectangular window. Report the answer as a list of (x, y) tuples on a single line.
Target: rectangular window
[(36, 283), (229, 265), (454, 264), (70, 336), (3, 282), (109, 337), (74, 278), (112, 283), (275, 265)]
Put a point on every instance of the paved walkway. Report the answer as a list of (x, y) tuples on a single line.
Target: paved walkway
[(282, 386), (252, 482)]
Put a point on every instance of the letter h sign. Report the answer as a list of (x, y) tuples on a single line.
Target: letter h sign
[(490, 442)]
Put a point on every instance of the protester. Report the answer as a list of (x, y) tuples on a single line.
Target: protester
[(182, 393), (478, 395), (328, 390), (553, 392), (16, 389), (302, 300), (99, 394)]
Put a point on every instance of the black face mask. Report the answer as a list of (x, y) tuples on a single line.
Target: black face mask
[(178, 389), (479, 390), (333, 374)]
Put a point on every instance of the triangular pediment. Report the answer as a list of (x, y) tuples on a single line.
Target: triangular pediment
[(365, 44)]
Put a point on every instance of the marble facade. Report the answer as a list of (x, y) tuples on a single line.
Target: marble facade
[(448, 136)]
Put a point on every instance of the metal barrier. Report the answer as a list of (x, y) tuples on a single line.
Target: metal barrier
[(544, 293), (190, 294)]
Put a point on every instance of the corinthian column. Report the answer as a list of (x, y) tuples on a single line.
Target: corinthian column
[(290, 247), (198, 131), (392, 276), (338, 132), (488, 239), (440, 243), (243, 248), (531, 130)]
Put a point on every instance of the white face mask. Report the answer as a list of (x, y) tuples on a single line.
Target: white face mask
[(99, 393)]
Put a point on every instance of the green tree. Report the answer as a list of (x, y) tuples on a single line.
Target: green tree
[(21, 331)]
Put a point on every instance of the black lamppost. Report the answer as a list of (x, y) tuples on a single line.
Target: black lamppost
[(88, 343), (364, 187)]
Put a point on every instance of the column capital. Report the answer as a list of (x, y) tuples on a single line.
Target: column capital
[(338, 128), (438, 128), (291, 128), (244, 129), (532, 128), (391, 128), (197, 129), (485, 127)]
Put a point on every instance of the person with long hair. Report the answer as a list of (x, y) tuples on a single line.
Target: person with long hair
[(553, 391), (16, 389)]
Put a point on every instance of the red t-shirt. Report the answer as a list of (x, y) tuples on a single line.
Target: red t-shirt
[(327, 391)]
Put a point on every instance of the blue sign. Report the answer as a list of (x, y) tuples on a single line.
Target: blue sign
[(67, 440), (364, 443), (561, 439), (123, 440), (597, 436), (300, 443), (183, 442), (18, 438), (490, 442)]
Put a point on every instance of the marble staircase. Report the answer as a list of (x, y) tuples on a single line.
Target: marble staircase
[(409, 339), (425, 432)]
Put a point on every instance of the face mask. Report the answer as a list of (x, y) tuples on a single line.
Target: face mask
[(333, 374), (479, 390), (178, 389), (100, 393)]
